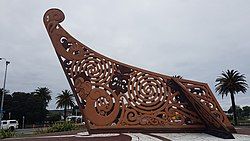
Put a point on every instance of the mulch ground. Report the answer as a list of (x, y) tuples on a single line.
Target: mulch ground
[(243, 130), (120, 137)]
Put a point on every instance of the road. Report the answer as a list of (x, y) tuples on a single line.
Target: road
[(27, 131)]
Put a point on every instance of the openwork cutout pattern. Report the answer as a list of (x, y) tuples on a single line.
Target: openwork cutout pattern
[(112, 95)]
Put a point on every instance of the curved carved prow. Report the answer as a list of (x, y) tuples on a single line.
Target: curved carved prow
[(116, 97)]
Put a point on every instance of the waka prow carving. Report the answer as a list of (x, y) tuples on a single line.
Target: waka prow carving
[(115, 97)]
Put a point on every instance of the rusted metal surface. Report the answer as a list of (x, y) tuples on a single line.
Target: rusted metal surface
[(116, 97), (212, 122)]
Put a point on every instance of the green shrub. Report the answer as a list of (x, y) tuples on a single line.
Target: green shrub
[(40, 131), (59, 127), (6, 134)]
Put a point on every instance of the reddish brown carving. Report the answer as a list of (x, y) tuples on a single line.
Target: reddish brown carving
[(115, 97)]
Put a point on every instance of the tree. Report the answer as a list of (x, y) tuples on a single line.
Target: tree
[(6, 103), (237, 109), (1, 92), (28, 105), (231, 82), (65, 100), (177, 76), (44, 94), (53, 117), (246, 111)]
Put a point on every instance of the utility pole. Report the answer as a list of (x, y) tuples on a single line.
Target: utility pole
[(23, 122), (4, 81)]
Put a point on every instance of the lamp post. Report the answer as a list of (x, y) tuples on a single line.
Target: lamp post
[(4, 81)]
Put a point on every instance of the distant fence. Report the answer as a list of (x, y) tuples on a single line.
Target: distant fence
[(244, 124), (35, 125)]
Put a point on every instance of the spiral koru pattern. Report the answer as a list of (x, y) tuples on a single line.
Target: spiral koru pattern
[(98, 70), (52, 17), (54, 14), (147, 93)]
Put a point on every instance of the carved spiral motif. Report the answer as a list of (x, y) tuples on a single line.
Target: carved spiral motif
[(54, 15), (147, 93), (132, 117), (101, 108), (98, 70)]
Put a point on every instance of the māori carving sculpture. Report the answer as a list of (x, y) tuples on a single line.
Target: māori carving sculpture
[(116, 97)]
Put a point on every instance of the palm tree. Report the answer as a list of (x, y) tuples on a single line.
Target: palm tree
[(65, 100), (177, 76), (231, 82), (44, 94), (5, 91)]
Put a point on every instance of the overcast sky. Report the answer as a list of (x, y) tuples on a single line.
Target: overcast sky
[(192, 38)]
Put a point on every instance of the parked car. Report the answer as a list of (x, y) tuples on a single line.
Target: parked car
[(9, 125), (76, 119)]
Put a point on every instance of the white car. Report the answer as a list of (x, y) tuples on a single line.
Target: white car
[(9, 124), (77, 119)]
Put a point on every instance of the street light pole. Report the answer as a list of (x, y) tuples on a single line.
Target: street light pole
[(4, 81)]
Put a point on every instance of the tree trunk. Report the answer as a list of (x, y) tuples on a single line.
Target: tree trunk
[(65, 112), (234, 109)]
